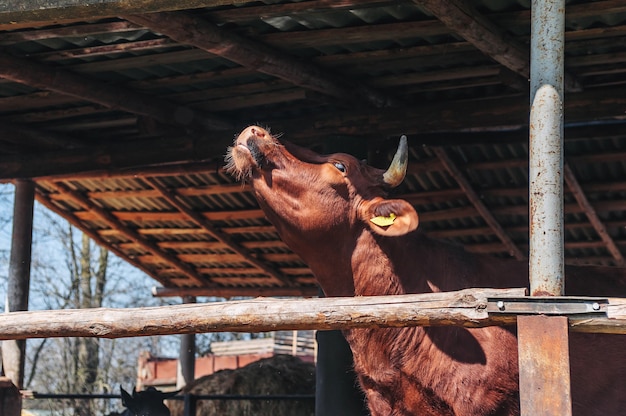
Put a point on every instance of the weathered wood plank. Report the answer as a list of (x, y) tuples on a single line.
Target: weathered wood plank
[(305, 291), (258, 56), (174, 216), (466, 308), (28, 13), (463, 308), (35, 74)]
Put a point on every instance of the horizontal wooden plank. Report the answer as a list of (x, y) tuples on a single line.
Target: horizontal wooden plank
[(144, 216), (25, 13), (465, 308), (237, 291)]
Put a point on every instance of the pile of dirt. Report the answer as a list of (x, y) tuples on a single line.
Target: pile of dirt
[(280, 374)]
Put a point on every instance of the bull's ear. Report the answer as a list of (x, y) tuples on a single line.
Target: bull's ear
[(390, 217)]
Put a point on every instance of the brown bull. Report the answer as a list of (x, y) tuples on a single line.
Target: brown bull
[(332, 210)]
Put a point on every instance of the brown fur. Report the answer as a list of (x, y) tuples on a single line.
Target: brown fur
[(322, 212)]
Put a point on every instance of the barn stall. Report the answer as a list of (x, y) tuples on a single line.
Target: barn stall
[(117, 117)]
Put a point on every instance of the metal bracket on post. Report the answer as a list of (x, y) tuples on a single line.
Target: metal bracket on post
[(547, 305)]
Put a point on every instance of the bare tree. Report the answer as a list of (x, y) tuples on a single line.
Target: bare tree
[(70, 271)]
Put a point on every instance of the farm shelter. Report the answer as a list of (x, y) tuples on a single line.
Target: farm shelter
[(117, 117)]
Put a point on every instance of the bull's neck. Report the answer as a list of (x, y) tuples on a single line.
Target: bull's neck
[(384, 266), (366, 264)]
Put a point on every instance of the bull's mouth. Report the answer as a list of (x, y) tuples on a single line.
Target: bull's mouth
[(247, 153)]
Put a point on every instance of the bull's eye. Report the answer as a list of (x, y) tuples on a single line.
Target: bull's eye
[(340, 167)]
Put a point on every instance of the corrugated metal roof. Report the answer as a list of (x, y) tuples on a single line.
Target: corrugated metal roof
[(149, 185)]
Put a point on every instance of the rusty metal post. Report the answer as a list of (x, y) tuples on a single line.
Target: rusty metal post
[(544, 366), (546, 148), (543, 341), (14, 351), (185, 373)]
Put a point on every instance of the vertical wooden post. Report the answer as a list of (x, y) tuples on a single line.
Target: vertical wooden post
[(13, 351), (10, 398), (187, 356), (336, 391), (543, 341)]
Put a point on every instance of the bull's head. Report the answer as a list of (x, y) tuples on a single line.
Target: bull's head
[(301, 189)]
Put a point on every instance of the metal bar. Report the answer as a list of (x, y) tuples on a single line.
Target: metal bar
[(546, 260), (546, 254), (544, 365), (543, 341), (548, 305)]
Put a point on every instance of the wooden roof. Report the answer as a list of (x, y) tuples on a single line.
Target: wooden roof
[(122, 113)]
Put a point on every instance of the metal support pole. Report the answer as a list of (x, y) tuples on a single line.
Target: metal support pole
[(187, 355), (544, 354), (14, 351), (546, 148)]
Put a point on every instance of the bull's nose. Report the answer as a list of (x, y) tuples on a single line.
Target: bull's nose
[(257, 131)]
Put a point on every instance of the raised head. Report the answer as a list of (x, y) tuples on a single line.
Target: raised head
[(302, 191)]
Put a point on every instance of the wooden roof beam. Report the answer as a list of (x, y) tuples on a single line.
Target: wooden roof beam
[(96, 235), (473, 197), (229, 292), (154, 156), (193, 30), (461, 18), (108, 218), (422, 123), (31, 13), (200, 220), (592, 216), (35, 74)]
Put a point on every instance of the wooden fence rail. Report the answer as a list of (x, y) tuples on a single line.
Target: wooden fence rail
[(466, 308)]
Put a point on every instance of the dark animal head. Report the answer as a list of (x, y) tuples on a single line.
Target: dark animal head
[(146, 403), (306, 193)]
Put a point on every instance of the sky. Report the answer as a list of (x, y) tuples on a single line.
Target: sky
[(130, 287), (48, 252)]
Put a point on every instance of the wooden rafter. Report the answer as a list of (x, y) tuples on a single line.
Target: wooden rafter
[(226, 292), (35, 74), (95, 235), (461, 18), (69, 31), (136, 157), (473, 197), (172, 197), (105, 216), (33, 137), (592, 216), (174, 216), (99, 161), (193, 30), (32, 13)]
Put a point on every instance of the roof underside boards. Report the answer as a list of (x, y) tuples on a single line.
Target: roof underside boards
[(122, 115)]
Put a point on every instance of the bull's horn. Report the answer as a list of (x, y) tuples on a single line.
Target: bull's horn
[(397, 170)]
